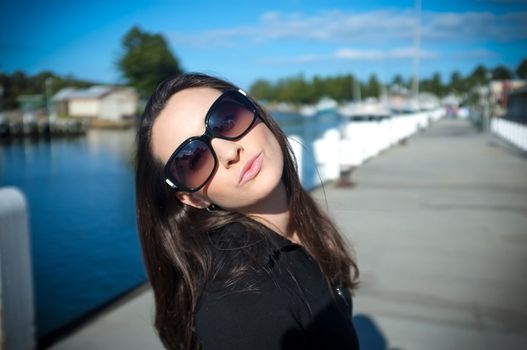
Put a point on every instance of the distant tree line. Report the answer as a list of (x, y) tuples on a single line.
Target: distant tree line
[(18, 83), (298, 89)]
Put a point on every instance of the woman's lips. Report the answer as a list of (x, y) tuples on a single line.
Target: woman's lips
[(251, 168)]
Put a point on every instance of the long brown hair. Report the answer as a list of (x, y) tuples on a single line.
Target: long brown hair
[(173, 234)]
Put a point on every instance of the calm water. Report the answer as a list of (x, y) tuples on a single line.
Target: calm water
[(83, 236), (81, 199), (308, 129)]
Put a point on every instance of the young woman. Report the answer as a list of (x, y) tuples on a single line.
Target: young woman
[(239, 256)]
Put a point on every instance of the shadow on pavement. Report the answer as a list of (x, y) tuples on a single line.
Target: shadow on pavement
[(370, 335)]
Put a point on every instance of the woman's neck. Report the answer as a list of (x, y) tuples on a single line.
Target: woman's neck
[(273, 212)]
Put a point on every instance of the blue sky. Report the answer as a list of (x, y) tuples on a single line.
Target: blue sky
[(244, 41)]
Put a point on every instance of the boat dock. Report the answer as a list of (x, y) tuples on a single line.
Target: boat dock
[(17, 128)]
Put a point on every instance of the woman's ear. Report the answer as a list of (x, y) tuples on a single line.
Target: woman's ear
[(192, 200)]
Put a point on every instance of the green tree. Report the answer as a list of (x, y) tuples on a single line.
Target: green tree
[(434, 85), (294, 89), (501, 73), (331, 88), (437, 84), (14, 85), (521, 70), (6, 100), (398, 80), (262, 89), (478, 76), (146, 60), (373, 88), (338, 87), (456, 83), (345, 84), (319, 87), (19, 83)]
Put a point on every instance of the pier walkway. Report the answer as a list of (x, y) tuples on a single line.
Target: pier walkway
[(439, 226)]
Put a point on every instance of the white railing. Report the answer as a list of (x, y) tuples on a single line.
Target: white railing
[(513, 132), (358, 141)]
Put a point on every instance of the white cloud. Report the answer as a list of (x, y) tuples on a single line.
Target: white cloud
[(354, 54), (403, 52), (357, 55), (387, 26), (476, 53)]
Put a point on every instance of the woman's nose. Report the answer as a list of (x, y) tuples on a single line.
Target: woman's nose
[(228, 152)]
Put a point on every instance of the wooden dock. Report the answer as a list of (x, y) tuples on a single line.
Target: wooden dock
[(17, 128)]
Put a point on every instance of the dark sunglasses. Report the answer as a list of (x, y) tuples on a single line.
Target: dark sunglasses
[(193, 163)]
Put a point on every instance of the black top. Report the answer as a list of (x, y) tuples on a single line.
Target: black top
[(282, 302)]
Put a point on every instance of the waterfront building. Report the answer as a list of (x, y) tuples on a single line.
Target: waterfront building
[(101, 102), (517, 105)]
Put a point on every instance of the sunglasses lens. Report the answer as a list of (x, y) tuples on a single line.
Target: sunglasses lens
[(193, 164), (230, 118)]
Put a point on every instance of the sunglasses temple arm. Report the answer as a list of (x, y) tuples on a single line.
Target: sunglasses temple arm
[(170, 183)]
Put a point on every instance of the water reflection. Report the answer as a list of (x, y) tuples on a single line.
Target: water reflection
[(118, 142)]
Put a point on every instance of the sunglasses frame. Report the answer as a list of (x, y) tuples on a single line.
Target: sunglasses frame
[(207, 137)]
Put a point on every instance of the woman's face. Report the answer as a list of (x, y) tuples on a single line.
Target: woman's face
[(236, 185)]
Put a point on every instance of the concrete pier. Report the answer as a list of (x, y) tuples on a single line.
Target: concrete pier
[(440, 231), (439, 226)]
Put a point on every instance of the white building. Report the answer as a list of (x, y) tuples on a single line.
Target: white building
[(103, 102)]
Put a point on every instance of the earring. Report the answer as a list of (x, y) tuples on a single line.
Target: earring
[(211, 208)]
